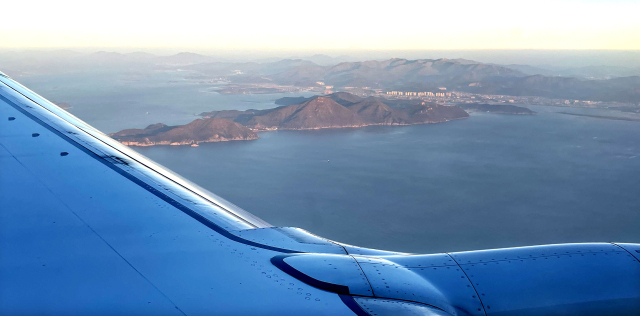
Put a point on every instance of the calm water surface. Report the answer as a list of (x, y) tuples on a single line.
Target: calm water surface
[(484, 182)]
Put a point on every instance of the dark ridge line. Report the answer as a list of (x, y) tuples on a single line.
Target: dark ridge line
[(637, 259), (365, 276), (279, 262)]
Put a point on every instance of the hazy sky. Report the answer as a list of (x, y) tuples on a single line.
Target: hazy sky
[(326, 24)]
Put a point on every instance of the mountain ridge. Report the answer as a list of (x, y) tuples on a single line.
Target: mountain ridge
[(339, 110)]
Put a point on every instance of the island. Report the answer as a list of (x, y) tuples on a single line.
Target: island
[(198, 131), (338, 110), (497, 108)]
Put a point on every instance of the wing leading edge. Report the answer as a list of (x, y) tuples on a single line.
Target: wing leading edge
[(88, 226)]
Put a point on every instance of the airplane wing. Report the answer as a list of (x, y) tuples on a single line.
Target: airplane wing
[(88, 226)]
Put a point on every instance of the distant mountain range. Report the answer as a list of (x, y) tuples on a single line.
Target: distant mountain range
[(586, 73), (392, 74), (34, 63), (460, 75)]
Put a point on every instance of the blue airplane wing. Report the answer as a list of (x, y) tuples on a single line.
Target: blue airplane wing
[(88, 226)]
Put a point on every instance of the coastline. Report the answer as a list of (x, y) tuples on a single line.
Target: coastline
[(196, 143)]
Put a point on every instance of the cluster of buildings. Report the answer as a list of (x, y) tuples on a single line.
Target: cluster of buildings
[(451, 98), (577, 102), (419, 94)]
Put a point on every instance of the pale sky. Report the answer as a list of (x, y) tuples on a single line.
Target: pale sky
[(328, 24)]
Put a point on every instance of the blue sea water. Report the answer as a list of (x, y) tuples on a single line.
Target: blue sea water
[(484, 182)]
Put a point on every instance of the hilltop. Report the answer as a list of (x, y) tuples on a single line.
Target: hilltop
[(393, 72), (320, 112)]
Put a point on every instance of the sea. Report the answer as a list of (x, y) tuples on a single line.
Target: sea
[(488, 181)]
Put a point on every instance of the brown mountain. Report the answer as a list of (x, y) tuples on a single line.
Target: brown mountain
[(320, 112), (198, 131), (375, 112), (344, 98)]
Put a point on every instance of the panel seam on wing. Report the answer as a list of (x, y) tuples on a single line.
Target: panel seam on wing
[(472, 286), (92, 230)]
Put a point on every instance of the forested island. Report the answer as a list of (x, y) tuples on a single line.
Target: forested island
[(338, 110)]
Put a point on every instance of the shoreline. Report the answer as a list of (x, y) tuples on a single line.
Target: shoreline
[(136, 144)]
